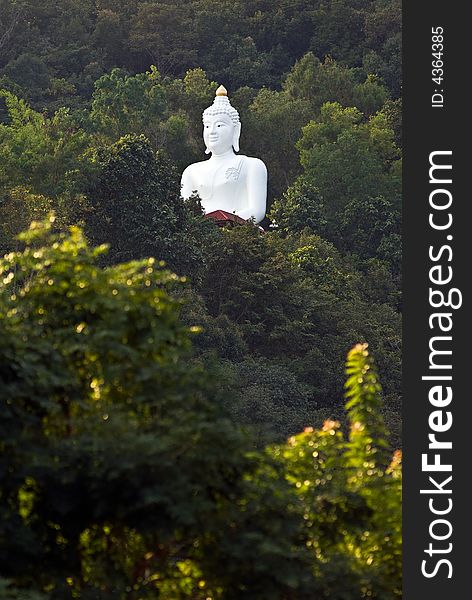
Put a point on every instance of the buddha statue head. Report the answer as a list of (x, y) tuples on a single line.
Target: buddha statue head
[(221, 125)]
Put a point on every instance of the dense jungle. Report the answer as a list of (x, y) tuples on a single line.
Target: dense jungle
[(178, 418)]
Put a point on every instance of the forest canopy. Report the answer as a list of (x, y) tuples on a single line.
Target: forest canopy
[(156, 370)]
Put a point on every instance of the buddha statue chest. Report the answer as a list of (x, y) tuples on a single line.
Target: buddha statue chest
[(222, 185)]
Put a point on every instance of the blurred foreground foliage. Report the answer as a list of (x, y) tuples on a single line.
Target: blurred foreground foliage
[(124, 476)]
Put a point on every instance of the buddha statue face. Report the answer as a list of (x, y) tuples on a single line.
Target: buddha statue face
[(221, 125), (219, 133)]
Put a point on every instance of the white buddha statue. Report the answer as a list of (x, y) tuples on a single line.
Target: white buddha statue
[(226, 181)]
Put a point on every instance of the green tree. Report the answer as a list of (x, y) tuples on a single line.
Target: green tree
[(297, 303), (128, 104), (18, 208), (44, 155), (31, 73), (134, 204), (167, 111), (122, 471), (338, 30), (109, 36), (351, 493), (301, 207), (346, 158), (320, 82), (283, 117), (365, 227), (384, 43), (351, 186), (165, 31), (78, 41), (187, 98)]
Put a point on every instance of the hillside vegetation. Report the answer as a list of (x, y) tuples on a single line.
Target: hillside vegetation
[(152, 365)]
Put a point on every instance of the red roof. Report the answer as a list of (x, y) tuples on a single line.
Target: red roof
[(221, 216)]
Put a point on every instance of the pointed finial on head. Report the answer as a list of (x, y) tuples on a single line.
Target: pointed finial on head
[(222, 106)]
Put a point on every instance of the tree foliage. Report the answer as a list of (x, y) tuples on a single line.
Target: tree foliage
[(349, 480), (123, 474), (140, 460), (240, 43), (350, 190), (46, 155), (117, 459)]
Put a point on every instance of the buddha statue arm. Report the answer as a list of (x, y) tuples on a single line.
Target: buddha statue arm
[(187, 186), (256, 186)]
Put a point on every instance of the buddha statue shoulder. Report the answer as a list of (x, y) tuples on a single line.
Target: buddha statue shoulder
[(226, 181)]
